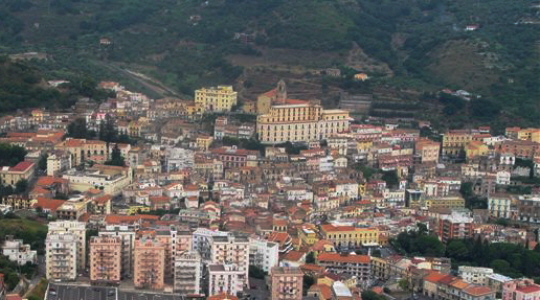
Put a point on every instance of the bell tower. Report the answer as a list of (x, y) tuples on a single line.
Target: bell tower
[(281, 92)]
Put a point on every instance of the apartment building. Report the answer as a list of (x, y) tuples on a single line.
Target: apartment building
[(215, 99), (188, 273), (25, 170), (476, 275), (225, 278), (521, 289), (286, 283), (15, 250), (111, 179), (455, 226), (502, 206), (105, 259), (263, 254), (61, 258), (231, 250), (126, 234), (450, 201), (455, 141), (232, 157), (78, 230), (57, 162), (357, 265), (149, 263), (427, 150), (350, 237), (300, 121), (529, 208)]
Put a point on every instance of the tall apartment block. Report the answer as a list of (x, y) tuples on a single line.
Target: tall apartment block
[(149, 258), (105, 259), (127, 241), (225, 278), (286, 283), (188, 273), (61, 257), (78, 229), (219, 99)]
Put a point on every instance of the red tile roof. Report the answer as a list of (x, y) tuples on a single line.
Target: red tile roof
[(529, 289), (48, 204), (49, 180), (434, 277), (479, 290), (336, 257), (293, 255), (22, 166)]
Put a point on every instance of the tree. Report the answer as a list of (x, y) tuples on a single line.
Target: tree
[(42, 163), (391, 178), (310, 258), (376, 253), (403, 284), (256, 272), (308, 281), (107, 130), (78, 129), (21, 186), (457, 249), (371, 295), (116, 158), (11, 155)]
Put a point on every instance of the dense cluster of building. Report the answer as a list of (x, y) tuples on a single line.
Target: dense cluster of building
[(190, 215)]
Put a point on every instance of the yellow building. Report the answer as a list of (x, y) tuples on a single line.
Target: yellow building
[(349, 236), (455, 141), (379, 268), (307, 235), (137, 209), (204, 142), (445, 202), (476, 148), (428, 150), (11, 175), (300, 121), (529, 134), (219, 99)]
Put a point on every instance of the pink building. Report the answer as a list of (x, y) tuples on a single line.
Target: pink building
[(149, 260), (286, 283), (105, 259), (521, 289)]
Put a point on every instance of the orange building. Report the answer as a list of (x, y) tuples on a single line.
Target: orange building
[(149, 257), (105, 259)]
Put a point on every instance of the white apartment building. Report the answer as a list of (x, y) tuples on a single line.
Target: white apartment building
[(58, 162), (225, 279), (188, 273), (501, 206), (201, 240), (78, 230), (263, 254), (476, 275), (61, 257), (18, 252), (127, 237), (232, 251)]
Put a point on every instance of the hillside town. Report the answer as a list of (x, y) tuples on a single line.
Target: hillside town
[(269, 198)]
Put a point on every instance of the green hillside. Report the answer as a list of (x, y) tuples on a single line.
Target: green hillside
[(185, 43)]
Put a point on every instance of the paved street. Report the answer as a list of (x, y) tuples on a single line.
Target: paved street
[(259, 290), (74, 292)]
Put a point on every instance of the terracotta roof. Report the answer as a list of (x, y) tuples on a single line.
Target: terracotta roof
[(312, 268), (160, 199), (326, 291), (48, 180), (434, 277), (377, 290), (22, 166), (222, 297), (336, 257), (459, 284), (529, 289), (49, 204), (103, 199), (293, 255), (478, 290), (122, 219)]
